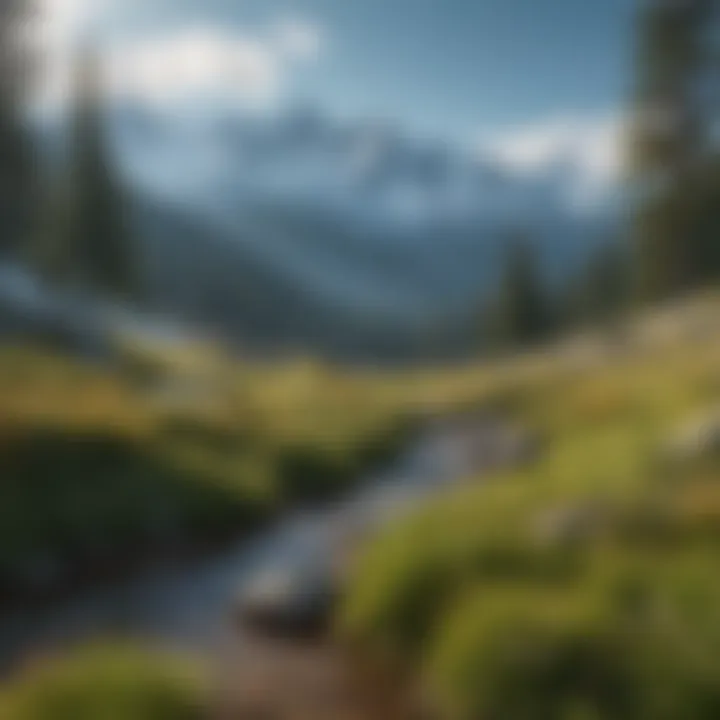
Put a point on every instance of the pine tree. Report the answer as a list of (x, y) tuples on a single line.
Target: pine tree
[(521, 314), (669, 142), (87, 246), (16, 163), (601, 290)]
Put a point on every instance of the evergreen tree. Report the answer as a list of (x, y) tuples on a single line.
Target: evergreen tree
[(16, 162), (601, 290), (86, 245), (521, 313), (670, 141)]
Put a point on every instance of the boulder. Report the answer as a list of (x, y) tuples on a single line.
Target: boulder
[(696, 439)]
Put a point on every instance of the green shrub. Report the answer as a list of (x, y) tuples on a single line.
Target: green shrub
[(531, 654), (582, 587), (107, 683)]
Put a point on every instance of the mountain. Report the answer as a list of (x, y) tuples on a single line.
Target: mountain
[(301, 233), (370, 172)]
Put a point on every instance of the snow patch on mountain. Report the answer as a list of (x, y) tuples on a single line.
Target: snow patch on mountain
[(370, 172)]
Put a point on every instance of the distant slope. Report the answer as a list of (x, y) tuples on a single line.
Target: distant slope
[(351, 240), (286, 276)]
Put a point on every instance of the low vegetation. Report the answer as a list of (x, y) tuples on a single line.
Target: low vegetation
[(113, 682), (583, 585), (102, 464)]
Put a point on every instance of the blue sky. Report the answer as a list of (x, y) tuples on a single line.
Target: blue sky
[(453, 65), (491, 70)]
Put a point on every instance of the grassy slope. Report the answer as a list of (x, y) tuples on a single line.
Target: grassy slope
[(586, 584), (102, 463), (112, 682), (503, 607)]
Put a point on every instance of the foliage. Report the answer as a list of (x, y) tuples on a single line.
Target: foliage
[(104, 464), (85, 242), (580, 586), (671, 144), (16, 162), (521, 313), (600, 292), (108, 682)]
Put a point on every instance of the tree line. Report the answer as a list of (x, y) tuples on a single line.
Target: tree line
[(671, 242), (68, 221)]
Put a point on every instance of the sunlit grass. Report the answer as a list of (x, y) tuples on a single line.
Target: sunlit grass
[(510, 595), (108, 682), (111, 456)]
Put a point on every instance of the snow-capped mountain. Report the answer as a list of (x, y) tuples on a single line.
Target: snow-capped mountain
[(350, 238), (368, 171)]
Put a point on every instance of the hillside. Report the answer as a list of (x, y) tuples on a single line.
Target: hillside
[(108, 463), (384, 245), (583, 585), (356, 291)]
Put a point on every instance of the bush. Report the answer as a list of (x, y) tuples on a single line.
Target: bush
[(107, 683), (531, 654), (582, 587)]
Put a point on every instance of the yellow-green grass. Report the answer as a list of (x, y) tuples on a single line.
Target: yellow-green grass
[(99, 462), (583, 585), (486, 595), (108, 682)]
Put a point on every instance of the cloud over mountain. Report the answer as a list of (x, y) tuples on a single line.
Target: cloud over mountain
[(590, 143), (184, 64)]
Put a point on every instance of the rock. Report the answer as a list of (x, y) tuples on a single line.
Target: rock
[(570, 524), (288, 602), (510, 446), (697, 439)]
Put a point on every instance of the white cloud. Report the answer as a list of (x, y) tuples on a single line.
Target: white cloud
[(592, 143), (198, 63), (61, 20), (248, 70), (299, 39)]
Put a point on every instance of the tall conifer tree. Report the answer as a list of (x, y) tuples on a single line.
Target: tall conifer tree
[(16, 162), (671, 128), (95, 249), (82, 240), (521, 313)]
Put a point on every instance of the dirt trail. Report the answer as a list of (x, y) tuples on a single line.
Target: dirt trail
[(283, 680)]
